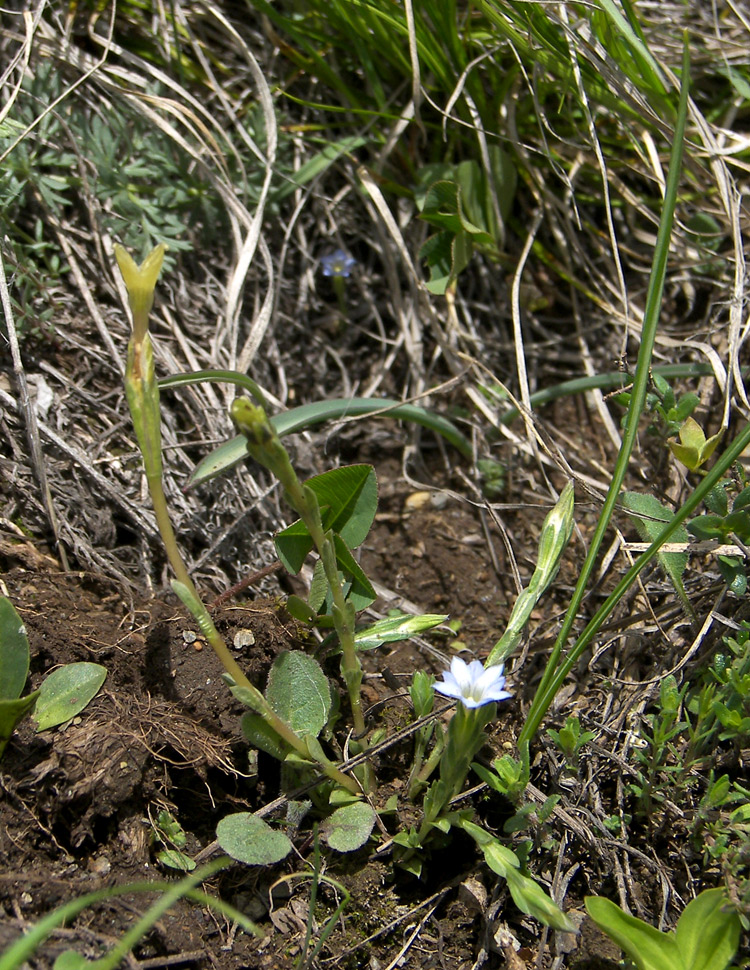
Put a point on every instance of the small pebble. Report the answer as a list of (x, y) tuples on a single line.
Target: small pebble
[(243, 638), (101, 865)]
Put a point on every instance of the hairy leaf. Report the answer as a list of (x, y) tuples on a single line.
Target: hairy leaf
[(249, 839), (298, 691), (349, 827)]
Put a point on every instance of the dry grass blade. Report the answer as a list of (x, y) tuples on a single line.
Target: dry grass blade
[(27, 409)]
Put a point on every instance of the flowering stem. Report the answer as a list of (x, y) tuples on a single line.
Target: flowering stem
[(142, 392), (340, 291), (465, 737), (265, 446)]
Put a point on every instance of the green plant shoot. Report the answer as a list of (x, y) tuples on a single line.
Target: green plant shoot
[(706, 937), (265, 446), (142, 393)]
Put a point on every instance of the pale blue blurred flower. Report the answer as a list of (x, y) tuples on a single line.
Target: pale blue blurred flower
[(338, 264), (473, 684)]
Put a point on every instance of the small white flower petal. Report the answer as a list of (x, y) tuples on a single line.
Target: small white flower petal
[(492, 684), (449, 686), (490, 677), (472, 684), (476, 670), (460, 673)]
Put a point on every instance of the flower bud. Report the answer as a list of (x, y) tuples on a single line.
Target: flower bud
[(554, 538), (140, 282)]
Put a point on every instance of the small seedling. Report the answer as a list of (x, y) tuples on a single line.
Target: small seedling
[(458, 201), (570, 739), (669, 412), (63, 694), (724, 524), (167, 832), (694, 449)]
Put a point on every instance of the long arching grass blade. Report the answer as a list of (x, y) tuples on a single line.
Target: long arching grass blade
[(301, 418), (544, 694)]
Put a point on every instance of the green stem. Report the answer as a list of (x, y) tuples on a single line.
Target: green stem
[(340, 291), (343, 619), (265, 446), (466, 734), (304, 502), (433, 760), (143, 399), (208, 628)]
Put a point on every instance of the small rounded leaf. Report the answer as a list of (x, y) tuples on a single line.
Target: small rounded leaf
[(70, 960), (249, 839), (349, 827)]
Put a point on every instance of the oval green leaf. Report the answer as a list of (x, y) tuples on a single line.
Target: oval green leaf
[(299, 692), (261, 735), (14, 652), (174, 859), (66, 692), (349, 827), (249, 839), (708, 932), (350, 494), (70, 960), (647, 947)]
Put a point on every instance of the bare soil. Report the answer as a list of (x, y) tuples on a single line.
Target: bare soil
[(79, 803)]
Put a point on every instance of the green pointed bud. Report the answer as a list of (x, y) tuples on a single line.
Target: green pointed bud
[(527, 895), (533, 900), (140, 281), (142, 393), (264, 444), (556, 532)]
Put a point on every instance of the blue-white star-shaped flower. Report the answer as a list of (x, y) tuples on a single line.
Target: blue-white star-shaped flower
[(473, 684), (338, 263)]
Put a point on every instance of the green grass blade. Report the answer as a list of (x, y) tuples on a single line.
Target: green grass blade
[(318, 164), (609, 381), (25, 946), (225, 376), (547, 690), (169, 897), (651, 72), (301, 418), (543, 698)]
